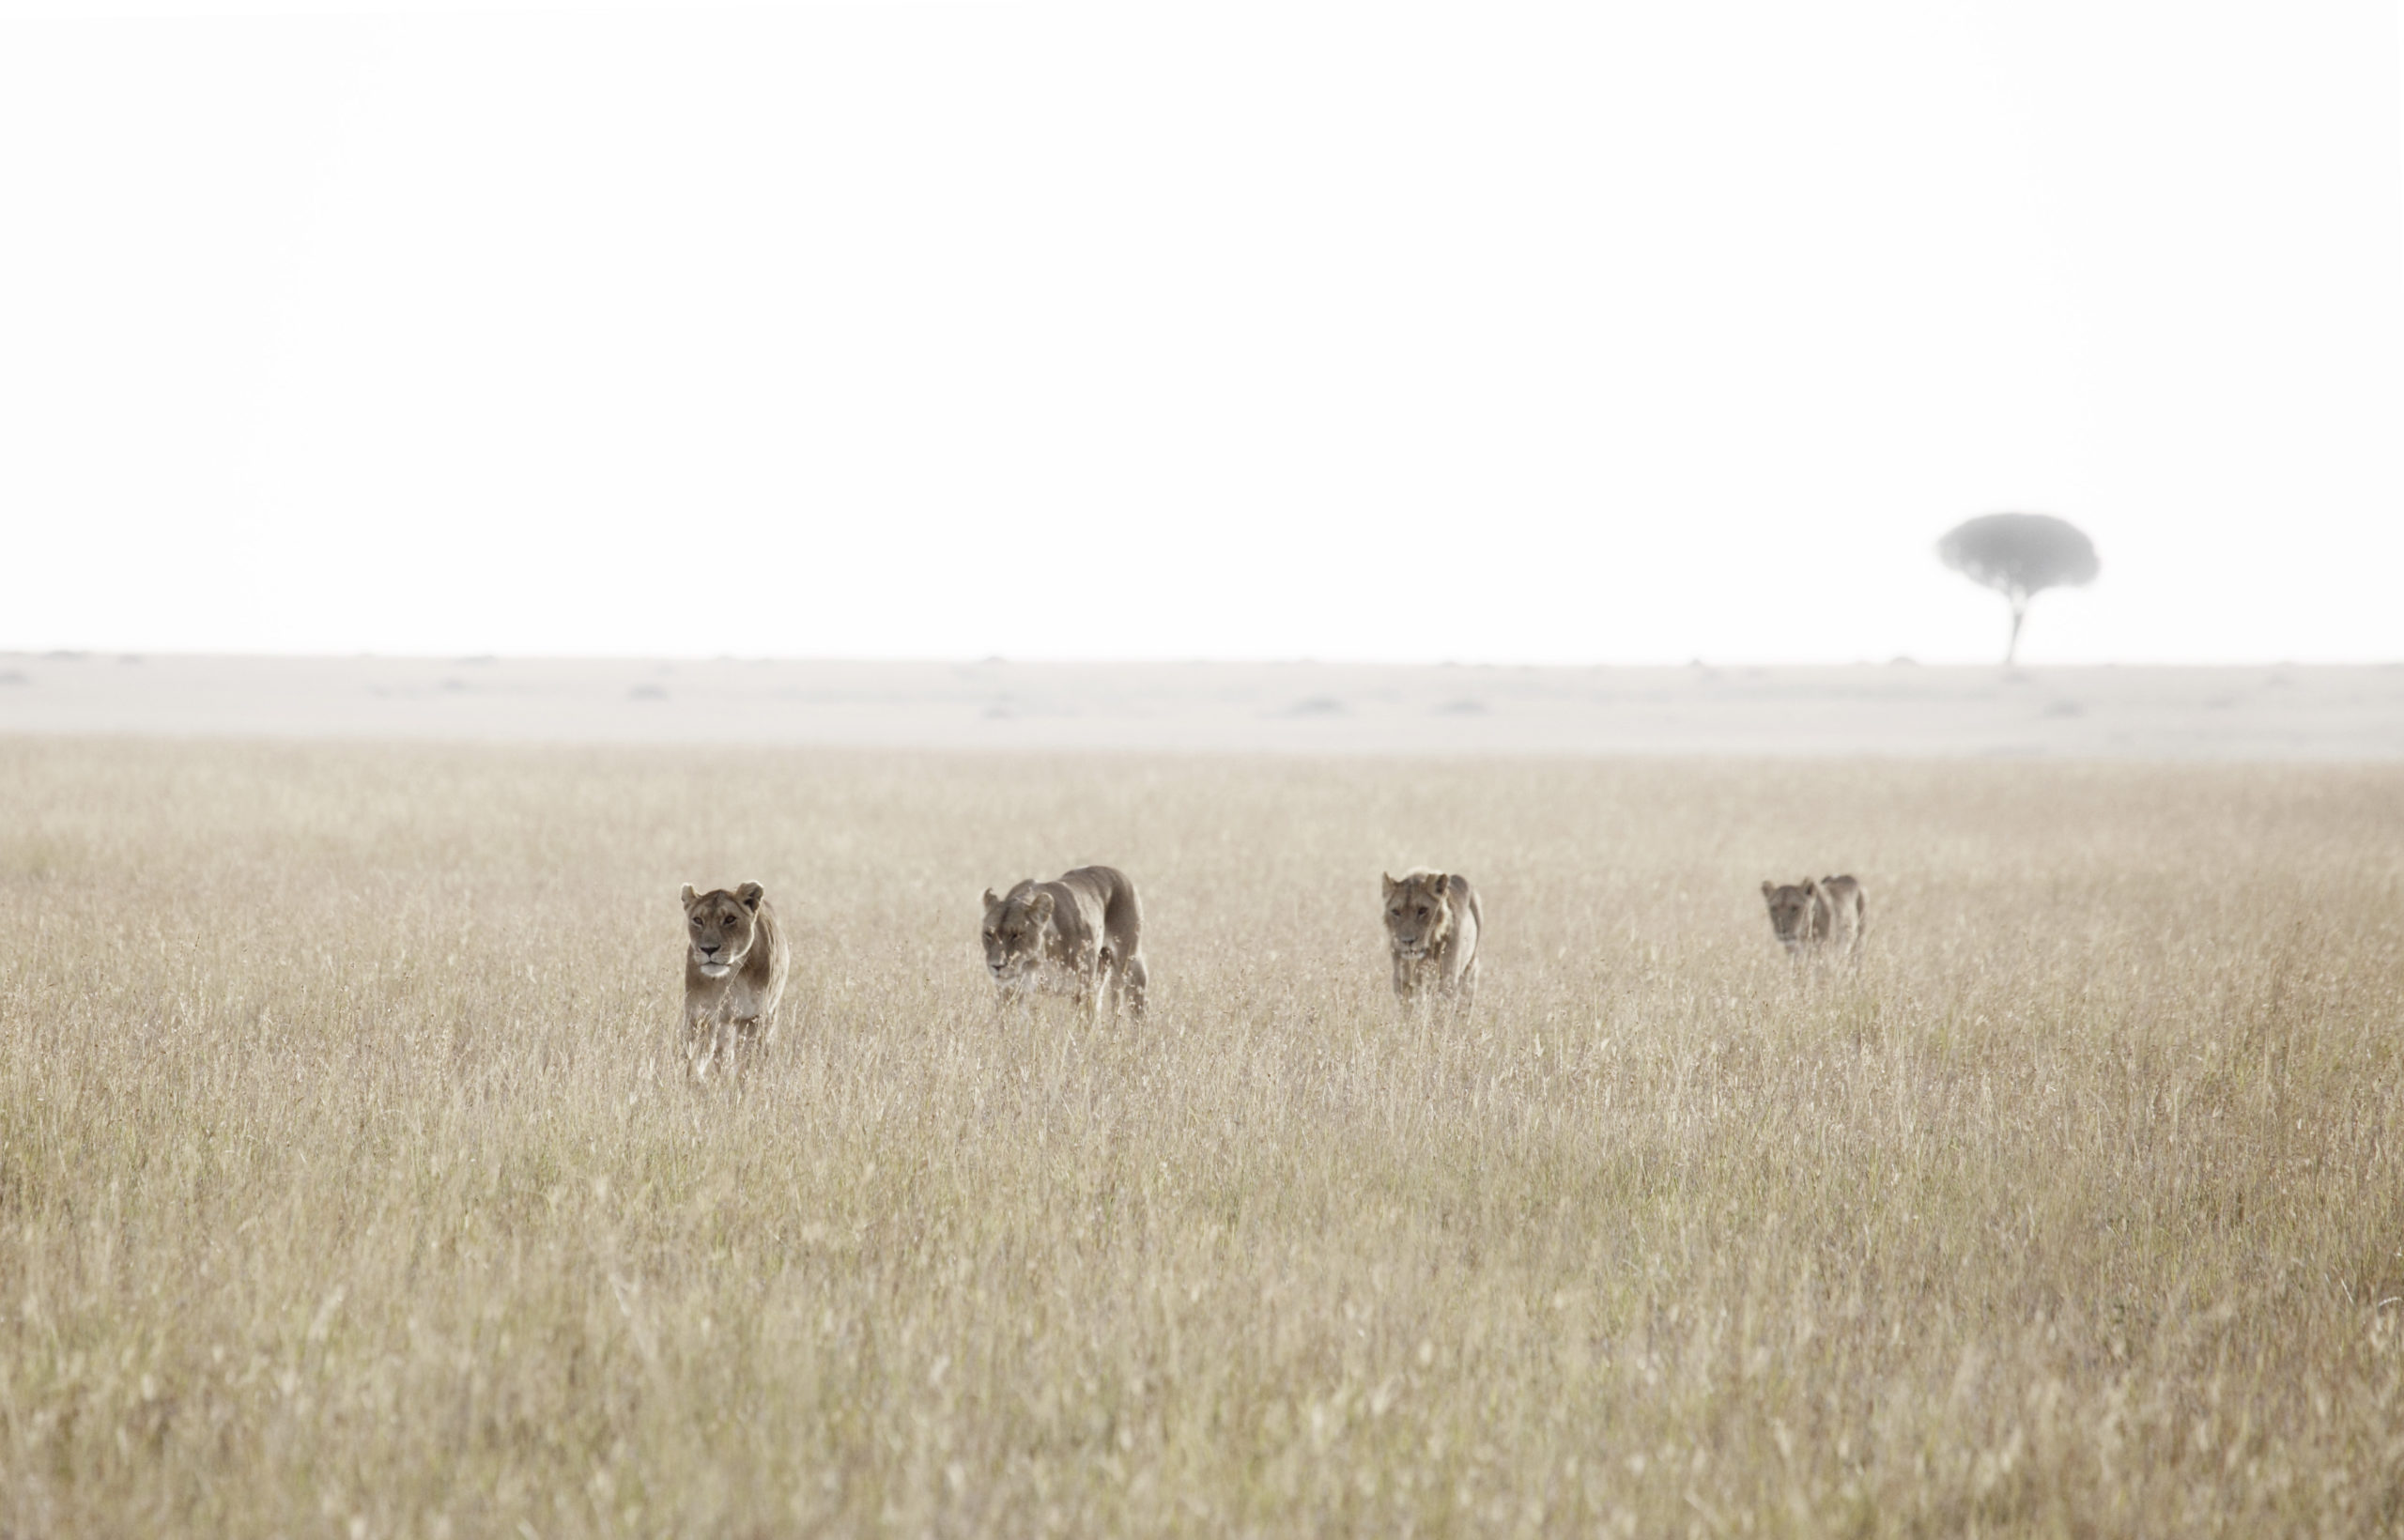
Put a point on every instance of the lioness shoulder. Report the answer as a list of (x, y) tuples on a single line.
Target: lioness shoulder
[(735, 963)]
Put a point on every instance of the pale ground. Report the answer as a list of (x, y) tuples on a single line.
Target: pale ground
[(2271, 712), (347, 1187)]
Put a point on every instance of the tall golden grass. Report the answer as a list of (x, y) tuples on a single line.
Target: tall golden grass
[(347, 1185)]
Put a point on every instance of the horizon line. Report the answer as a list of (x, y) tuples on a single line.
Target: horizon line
[(135, 654)]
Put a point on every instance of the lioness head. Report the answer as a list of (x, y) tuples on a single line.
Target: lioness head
[(1419, 910), (720, 927), (1018, 931), (1790, 911)]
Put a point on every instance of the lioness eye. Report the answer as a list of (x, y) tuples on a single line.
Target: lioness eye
[(1422, 911)]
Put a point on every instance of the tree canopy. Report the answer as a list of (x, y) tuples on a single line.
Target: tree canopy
[(2020, 555)]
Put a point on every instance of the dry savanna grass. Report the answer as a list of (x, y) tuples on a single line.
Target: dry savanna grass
[(346, 1186)]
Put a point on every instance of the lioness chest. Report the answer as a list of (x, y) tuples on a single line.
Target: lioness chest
[(1443, 962), (734, 998)]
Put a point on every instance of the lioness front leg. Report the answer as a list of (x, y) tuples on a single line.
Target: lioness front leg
[(711, 1042), (1089, 981), (1088, 994), (743, 1050)]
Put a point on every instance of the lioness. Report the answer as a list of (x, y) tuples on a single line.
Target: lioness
[(1081, 935), (1432, 925), (1826, 914), (735, 960)]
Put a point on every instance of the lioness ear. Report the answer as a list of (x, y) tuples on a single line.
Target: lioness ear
[(1810, 886), (1040, 903), (689, 895), (1391, 885), (991, 902), (751, 894), (1768, 887), (1439, 882)]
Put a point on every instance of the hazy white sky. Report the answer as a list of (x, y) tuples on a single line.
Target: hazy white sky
[(1626, 334)]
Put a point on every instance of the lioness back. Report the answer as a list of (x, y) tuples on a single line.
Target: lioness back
[(1848, 913), (735, 963), (1433, 926)]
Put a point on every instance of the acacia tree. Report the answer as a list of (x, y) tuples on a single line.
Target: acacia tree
[(2020, 555)]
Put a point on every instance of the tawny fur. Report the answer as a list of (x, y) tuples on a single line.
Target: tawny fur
[(1081, 934), (735, 963)]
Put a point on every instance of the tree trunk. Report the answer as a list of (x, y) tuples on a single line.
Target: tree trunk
[(2019, 612)]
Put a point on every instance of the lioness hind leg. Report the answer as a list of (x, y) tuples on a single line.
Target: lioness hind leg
[(1135, 983)]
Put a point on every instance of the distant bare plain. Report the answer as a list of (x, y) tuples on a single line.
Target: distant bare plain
[(2276, 712), (347, 1185)]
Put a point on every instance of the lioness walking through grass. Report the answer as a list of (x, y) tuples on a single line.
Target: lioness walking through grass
[(1081, 935), (1433, 925), (1823, 918), (735, 962)]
